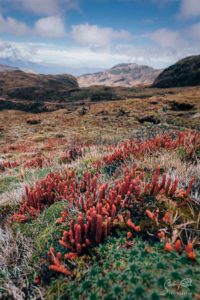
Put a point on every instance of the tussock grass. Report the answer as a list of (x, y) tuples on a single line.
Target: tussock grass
[(120, 268)]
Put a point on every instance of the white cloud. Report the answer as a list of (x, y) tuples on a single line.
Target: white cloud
[(49, 27), (17, 51), (45, 7), (82, 57), (52, 27), (12, 26), (168, 38), (190, 8), (194, 32), (95, 36), (42, 7), (52, 55)]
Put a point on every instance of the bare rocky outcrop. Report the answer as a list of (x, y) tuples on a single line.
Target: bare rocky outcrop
[(126, 75)]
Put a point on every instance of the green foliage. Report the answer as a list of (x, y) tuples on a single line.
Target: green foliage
[(110, 169), (43, 231), (40, 173), (121, 270), (182, 154), (7, 183)]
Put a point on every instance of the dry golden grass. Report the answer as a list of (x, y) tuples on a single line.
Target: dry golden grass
[(102, 121)]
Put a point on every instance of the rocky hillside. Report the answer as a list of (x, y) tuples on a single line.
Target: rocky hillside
[(126, 75), (28, 86), (185, 72)]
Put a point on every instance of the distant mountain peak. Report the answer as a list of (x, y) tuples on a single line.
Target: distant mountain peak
[(133, 65), (124, 65), (124, 74)]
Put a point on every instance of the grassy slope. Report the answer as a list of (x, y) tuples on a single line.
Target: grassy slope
[(117, 269)]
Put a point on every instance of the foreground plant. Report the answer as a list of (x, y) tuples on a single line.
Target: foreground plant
[(102, 209), (141, 206)]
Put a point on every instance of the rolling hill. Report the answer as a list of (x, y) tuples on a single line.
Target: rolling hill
[(28, 86), (185, 72)]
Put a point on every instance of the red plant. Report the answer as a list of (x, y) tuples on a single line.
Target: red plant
[(8, 165), (177, 245), (56, 265), (187, 139), (190, 252), (103, 207), (99, 206), (152, 216), (166, 218), (168, 247), (38, 162), (162, 236)]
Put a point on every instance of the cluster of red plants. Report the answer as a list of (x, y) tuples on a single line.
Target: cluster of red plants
[(187, 139), (8, 165), (101, 208), (37, 163), (55, 187), (19, 147), (178, 247), (42, 161)]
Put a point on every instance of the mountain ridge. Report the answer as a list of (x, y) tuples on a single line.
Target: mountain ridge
[(124, 74)]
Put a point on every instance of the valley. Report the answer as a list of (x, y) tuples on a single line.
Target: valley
[(99, 190)]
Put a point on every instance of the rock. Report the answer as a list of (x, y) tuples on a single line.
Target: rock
[(122, 113), (33, 122), (196, 116), (67, 112), (149, 119), (102, 113), (181, 106), (82, 111)]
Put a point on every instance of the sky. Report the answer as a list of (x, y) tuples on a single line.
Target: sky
[(82, 36)]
